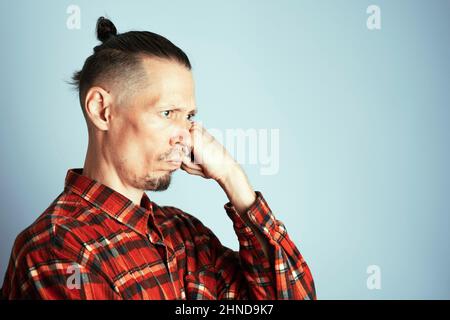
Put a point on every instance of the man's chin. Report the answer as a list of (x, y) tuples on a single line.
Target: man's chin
[(160, 183)]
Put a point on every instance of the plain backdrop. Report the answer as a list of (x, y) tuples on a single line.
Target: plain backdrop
[(363, 117)]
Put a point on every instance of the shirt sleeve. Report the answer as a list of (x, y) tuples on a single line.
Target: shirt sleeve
[(41, 268), (248, 274), (287, 276)]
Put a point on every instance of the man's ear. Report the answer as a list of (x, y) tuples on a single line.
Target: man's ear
[(98, 107)]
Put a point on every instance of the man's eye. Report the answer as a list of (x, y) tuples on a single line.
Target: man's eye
[(190, 117), (166, 113)]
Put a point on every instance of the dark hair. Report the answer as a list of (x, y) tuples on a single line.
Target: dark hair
[(118, 59)]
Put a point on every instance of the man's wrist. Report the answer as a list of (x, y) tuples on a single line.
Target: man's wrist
[(238, 189)]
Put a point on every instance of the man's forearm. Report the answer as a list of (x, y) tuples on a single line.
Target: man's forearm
[(242, 196)]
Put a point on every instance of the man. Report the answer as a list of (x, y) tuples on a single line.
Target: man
[(102, 237)]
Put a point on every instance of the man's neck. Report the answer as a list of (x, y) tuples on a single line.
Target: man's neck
[(97, 168)]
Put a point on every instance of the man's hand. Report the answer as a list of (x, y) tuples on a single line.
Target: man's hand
[(212, 161)]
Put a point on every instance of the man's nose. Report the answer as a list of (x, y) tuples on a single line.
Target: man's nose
[(181, 134)]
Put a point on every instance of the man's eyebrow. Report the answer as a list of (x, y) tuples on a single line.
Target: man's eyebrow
[(191, 111)]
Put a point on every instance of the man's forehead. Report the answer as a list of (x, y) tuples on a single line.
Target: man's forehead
[(158, 68), (169, 85), (157, 99)]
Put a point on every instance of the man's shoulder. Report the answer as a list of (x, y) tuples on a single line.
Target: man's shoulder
[(68, 211), (56, 224)]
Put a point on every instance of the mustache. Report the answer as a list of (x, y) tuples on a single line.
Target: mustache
[(177, 152)]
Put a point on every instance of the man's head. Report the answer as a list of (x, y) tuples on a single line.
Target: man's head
[(137, 95)]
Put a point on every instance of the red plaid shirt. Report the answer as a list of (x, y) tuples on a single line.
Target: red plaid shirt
[(94, 243)]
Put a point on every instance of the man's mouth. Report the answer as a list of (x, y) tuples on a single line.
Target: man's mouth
[(175, 160), (176, 157), (175, 164)]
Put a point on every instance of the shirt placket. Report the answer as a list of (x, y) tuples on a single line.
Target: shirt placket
[(157, 241)]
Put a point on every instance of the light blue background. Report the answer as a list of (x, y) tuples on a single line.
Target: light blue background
[(363, 118)]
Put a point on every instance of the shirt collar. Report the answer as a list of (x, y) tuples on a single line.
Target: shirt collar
[(112, 202)]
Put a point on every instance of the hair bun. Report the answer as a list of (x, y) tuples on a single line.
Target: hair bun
[(105, 29)]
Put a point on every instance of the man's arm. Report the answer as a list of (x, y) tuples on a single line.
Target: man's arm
[(248, 274), (242, 196), (268, 261), (49, 266)]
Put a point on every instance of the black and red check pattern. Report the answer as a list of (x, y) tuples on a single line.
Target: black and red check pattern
[(125, 251)]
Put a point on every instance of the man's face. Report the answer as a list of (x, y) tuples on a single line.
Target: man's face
[(148, 133)]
